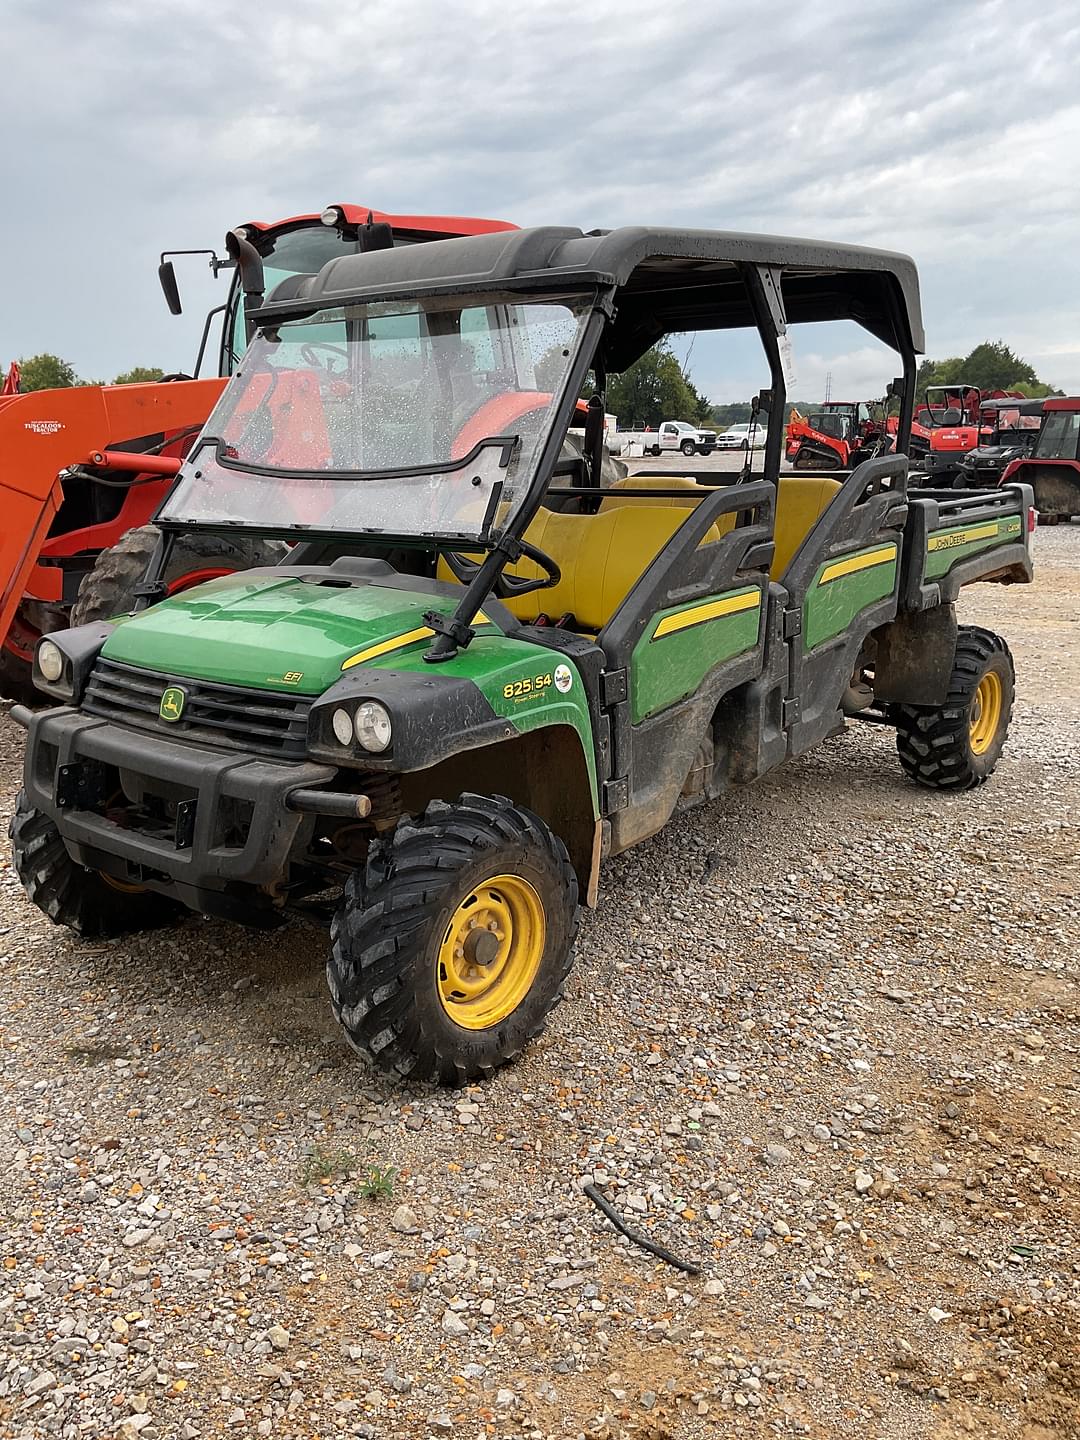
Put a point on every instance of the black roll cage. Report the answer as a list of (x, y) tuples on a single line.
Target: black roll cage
[(639, 280)]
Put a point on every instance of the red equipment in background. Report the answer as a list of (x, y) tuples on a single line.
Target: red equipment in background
[(836, 435), (80, 468), (952, 417), (1053, 467)]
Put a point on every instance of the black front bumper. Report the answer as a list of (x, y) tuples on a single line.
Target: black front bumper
[(186, 820)]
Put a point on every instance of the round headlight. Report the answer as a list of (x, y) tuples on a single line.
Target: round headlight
[(50, 661), (331, 215), (342, 722), (373, 728)]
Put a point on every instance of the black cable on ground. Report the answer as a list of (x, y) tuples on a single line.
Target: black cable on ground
[(687, 1266)]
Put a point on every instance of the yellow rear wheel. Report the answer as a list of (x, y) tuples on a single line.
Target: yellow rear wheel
[(956, 745), (985, 717)]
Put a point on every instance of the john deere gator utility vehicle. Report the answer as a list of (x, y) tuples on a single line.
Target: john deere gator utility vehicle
[(480, 671)]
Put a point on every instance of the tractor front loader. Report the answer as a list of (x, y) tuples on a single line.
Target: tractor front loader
[(79, 469)]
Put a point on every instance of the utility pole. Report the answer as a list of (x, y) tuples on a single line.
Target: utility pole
[(828, 387)]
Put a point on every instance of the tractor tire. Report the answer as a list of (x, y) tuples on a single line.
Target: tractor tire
[(69, 894), (17, 679), (688, 447), (409, 996), (109, 588), (956, 746)]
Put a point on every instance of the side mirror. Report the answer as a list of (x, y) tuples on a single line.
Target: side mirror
[(169, 287), (762, 402), (374, 236)]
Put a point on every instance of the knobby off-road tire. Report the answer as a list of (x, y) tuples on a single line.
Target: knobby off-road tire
[(71, 895), (109, 588), (394, 961), (957, 746)]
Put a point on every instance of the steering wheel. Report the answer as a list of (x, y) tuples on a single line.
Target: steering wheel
[(506, 587), (307, 352)]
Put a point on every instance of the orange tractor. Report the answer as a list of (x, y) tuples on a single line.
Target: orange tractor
[(83, 470), (836, 435)]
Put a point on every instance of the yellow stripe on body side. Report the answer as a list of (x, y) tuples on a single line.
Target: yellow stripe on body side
[(855, 563), (711, 610), (956, 538), (399, 642)]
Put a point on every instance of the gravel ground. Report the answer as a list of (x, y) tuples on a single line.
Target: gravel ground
[(820, 1038)]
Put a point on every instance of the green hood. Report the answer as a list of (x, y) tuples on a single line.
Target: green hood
[(271, 631)]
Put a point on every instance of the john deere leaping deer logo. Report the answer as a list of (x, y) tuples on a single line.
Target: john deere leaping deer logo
[(172, 704)]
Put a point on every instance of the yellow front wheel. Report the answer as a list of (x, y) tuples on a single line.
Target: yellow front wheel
[(491, 952), (451, 951)]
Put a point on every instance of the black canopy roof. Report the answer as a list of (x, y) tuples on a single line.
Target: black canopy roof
[(1025, 407), (667, 280)]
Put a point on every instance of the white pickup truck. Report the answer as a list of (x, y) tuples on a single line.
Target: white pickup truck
[(668, 435)]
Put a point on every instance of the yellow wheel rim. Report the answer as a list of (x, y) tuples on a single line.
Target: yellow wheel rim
[(985, 713), (491, 952)]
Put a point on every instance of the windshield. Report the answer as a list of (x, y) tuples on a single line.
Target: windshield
[(1059, 438), (455, 401), (294, 252)]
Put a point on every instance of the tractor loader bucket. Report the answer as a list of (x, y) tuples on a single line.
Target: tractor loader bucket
[(44, 432)]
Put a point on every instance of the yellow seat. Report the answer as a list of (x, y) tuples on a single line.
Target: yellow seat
[(616, 496), (601, 556), (800, 500)]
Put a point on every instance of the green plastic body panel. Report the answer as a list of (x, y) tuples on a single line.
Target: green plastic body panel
[(668, 664), (277, 632), (944, 548), (835, 598)]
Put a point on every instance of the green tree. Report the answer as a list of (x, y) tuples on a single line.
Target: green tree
[(46, 372), (737, 412), (992, 365), (653, 389), (139, 375)]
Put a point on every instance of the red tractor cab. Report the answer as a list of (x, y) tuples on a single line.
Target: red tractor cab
[(1053, 467), (85, 468)]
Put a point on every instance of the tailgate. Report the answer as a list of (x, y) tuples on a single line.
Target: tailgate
[(956, 537)]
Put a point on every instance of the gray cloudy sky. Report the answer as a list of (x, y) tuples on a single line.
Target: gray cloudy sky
[(949, 131)]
